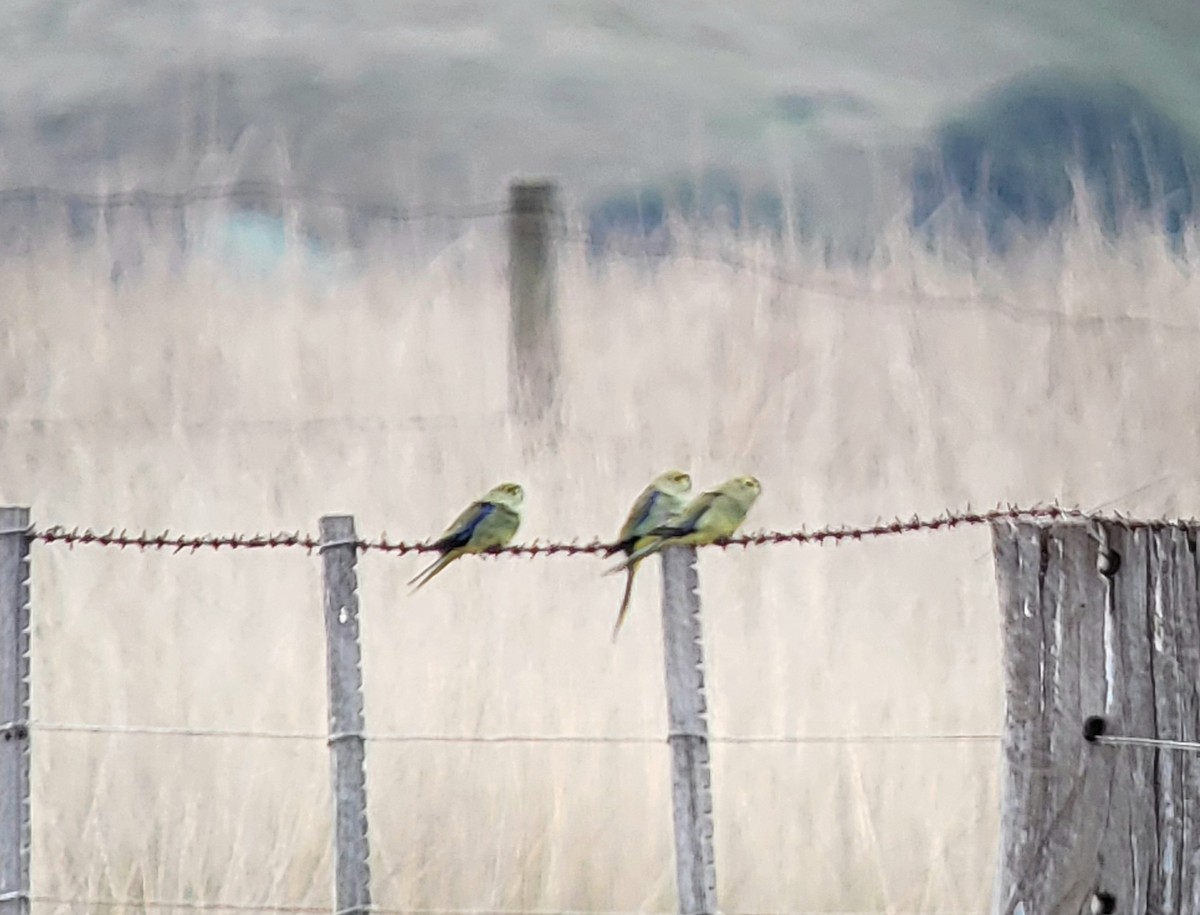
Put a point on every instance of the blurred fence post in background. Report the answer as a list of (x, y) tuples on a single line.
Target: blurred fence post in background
[(1101, 658), (691, 777), (15, 833), (533, 228), (352, 874)]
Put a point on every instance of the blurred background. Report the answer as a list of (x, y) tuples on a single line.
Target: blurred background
[(760, 112), (890, 258)]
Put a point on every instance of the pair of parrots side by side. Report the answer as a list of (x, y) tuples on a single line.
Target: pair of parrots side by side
[(661, 516)]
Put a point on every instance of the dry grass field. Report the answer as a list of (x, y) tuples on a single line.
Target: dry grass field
[(198, 399)]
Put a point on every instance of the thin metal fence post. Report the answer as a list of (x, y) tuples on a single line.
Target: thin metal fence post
[(15, 829), (352, 874), (533, 300), (691, 777)]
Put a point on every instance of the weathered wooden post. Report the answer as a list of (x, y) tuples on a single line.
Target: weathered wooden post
[(352, 874), (1101, 660), (533, 228), (687, 710), (15, 829)]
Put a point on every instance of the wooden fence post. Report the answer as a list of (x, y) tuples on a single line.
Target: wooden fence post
[(533, 226), (691, 777), (352, 873), (1101, 629), (15, 829)]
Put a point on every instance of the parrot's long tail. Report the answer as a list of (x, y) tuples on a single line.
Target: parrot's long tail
[(427, 574), (629, 573), (638, 555)]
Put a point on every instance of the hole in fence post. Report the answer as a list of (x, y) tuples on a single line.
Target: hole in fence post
[(1103, 904), (1094, 727), (1108, 562)]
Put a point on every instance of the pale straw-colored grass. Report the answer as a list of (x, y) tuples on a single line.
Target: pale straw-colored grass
[(199, 400)]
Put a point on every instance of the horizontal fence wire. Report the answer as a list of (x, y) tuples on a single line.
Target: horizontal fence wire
[(197, 905), (258, 191), (1154, 743), (924, 299), (533, 739), (412, 910), (247, 191), (178, 543)]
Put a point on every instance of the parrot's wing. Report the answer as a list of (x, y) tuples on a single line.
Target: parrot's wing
[(689, 518), (635, 525), (459, 533)]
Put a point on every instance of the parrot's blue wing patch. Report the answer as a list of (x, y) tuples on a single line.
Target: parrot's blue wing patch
[(647, 507), (461, 536)]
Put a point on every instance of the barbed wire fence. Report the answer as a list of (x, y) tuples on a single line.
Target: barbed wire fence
[(340, 544), (1102, 543), (1041, 537)]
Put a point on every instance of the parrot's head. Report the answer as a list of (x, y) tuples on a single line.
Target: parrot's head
[(674, 482), (510, 495), (744, 489)]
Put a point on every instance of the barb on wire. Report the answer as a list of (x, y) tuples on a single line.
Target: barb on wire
[(175, 543), (247, 191), (835, 534)]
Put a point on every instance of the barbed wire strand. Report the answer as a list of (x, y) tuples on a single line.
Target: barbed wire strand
[(144, 540), (572, 739)]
